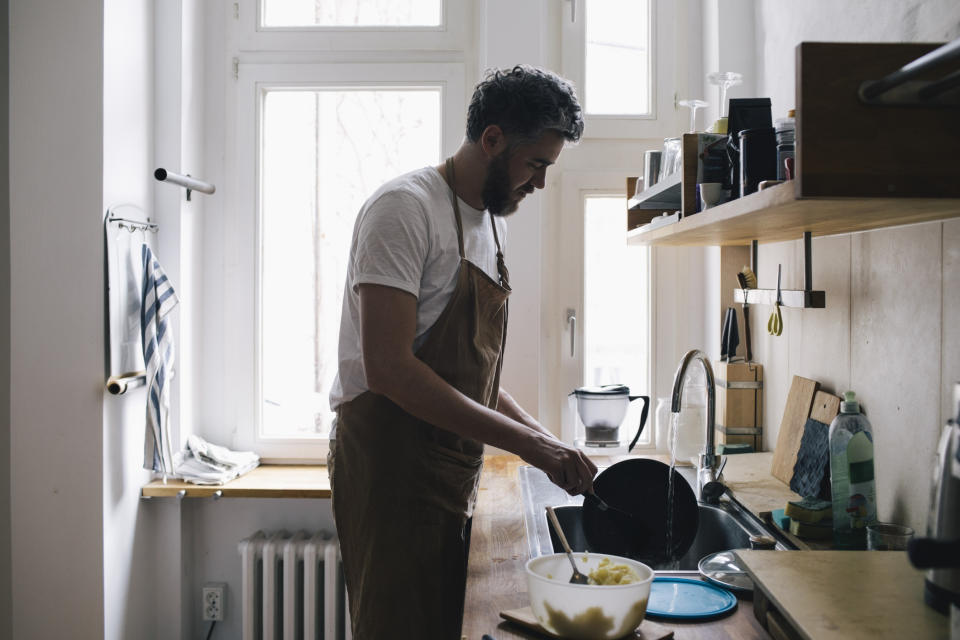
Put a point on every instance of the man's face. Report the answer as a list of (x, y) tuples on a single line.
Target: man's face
[(517, 171)]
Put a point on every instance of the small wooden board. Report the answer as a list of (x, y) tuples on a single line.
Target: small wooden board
[(825, 408), (649, 630), (799, 402)]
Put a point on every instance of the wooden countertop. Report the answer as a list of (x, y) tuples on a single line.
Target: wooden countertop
[(496, 580), (838, 595), (748, 476)]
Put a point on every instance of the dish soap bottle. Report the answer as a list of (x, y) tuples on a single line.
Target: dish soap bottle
[(852, 480)]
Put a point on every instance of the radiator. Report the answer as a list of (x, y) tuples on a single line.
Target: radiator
[(293, 587)]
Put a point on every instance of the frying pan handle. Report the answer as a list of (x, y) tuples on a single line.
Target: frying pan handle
[(643, 418)]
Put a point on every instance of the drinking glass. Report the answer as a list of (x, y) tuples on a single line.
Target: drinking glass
[(693, 105), (725, 80), (886, 536)]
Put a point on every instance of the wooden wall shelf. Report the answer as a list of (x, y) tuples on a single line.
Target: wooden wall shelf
[(266, 481), (777, 215)]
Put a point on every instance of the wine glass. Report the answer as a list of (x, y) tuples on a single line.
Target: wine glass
[(725, 80), (693, 105)]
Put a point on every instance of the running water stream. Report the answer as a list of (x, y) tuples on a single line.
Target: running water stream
[(671, 562)]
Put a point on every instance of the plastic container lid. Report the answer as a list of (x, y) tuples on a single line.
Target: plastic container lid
[(605, 390), (685, 599), (849, 404), (724, 569), (784, 124)]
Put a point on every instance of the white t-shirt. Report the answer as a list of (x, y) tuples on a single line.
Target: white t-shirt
[(405, 237)]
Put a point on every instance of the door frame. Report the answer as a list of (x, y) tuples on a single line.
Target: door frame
[(566, 373)]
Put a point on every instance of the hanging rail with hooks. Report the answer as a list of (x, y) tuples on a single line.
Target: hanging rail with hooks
[(120, 384), (805, 298), (133, 225)]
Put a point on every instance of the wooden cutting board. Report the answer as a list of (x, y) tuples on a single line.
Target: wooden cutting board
[(837, 595), (795, 413), (649, 630)]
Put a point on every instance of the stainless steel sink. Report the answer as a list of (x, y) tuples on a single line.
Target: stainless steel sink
[(724, 526)]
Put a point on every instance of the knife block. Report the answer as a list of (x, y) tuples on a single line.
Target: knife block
[(739, 403)]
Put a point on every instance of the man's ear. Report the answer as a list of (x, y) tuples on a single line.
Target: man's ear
[(493, 141)]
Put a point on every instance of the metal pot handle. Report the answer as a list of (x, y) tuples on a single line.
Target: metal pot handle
[(643, 418)]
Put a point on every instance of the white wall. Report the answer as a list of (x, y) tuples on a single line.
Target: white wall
[(6, 624), (889, 330), (129, 532), (56, 318)]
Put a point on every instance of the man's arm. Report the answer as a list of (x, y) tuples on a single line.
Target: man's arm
[(387, 329), (512, 409)]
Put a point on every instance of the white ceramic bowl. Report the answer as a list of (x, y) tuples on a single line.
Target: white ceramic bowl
[(584, 611)]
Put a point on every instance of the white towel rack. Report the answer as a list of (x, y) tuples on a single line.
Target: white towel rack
[(188, 182), (118, 385)]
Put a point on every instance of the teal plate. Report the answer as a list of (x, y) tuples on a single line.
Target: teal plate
[(685, 599)]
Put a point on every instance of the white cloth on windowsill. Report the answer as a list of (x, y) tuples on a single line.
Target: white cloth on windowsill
[(205, 463)]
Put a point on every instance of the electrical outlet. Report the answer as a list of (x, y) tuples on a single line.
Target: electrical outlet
[(213, 600)]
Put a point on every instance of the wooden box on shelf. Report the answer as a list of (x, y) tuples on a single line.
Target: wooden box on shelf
[(739, 403), (643, 205)]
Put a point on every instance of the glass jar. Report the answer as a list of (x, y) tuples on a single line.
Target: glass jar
[(671, 159)]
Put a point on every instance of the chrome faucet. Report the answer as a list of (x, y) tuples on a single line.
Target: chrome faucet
[(708, 475)]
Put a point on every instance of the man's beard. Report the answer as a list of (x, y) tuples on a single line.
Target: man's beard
[(496, 188)]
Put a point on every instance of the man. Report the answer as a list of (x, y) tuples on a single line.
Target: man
[(421, 347)]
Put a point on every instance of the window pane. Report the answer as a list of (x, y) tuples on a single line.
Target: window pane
[(616, 313), (617, 57), (324, 152), (352, 13)]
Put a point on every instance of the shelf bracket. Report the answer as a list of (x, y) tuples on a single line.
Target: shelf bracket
[(806, 298)]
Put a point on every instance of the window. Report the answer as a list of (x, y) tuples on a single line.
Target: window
[(324, 151), (311, 138), (617, 37), (618, 54), (615, 310)]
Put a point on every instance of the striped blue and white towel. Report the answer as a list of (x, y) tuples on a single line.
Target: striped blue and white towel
[(158, 301)]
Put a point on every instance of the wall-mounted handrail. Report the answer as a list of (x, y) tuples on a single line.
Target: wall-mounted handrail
[(872, 91), (187, 181)]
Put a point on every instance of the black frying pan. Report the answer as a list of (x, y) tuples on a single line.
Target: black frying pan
[(639, 487)]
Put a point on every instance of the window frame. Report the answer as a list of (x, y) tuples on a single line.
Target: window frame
[(663, 120), (449, 35), (243, 370)]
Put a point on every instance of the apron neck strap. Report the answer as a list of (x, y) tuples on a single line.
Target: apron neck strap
[(451, 180), (501, 263)]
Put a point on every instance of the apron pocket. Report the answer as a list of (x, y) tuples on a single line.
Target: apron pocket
[(453, 479)]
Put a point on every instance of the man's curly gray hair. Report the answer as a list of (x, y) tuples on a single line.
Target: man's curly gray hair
[(524, 102)]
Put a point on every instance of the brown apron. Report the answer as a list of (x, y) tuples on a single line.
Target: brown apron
[(404, 490)]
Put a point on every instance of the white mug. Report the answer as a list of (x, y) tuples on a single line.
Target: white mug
[(711, 194)]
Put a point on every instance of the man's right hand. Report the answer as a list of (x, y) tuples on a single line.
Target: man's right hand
[(567, 467)]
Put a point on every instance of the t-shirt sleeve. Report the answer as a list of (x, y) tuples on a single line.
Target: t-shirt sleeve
[(392, 243)]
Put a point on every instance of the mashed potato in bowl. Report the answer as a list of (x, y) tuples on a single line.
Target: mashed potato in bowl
[(608, 573)]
